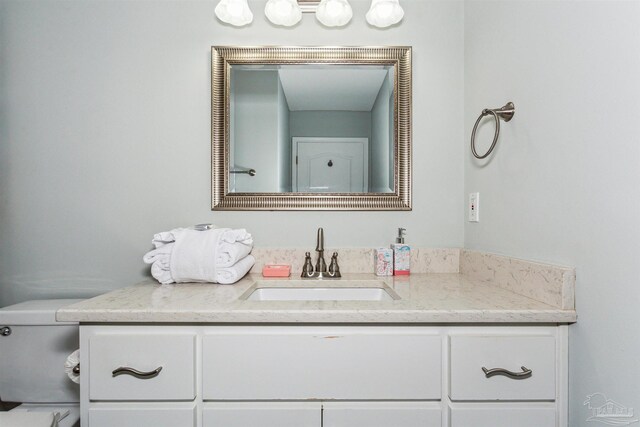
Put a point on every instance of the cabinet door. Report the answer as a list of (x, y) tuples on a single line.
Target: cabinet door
[(470, 354), (235, 414), (170, 355), (381, 414), (504, 415), (142, 415), (321, 364)]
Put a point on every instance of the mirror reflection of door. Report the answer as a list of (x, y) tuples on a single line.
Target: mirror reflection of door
[(330, 165)]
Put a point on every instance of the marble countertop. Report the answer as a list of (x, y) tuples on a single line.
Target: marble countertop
[(424, 298)]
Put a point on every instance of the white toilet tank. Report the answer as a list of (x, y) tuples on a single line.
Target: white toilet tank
[(32, 353)]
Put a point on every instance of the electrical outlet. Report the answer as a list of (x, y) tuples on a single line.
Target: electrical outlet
[(474, 207)]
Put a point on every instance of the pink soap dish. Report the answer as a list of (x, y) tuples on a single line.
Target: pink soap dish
[(275, 270)]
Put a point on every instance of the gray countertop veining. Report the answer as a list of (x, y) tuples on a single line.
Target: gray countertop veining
[(424, 298)]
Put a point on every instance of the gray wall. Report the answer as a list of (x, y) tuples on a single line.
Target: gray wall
[(563, 183), (381, 178), (105, 115), (257, 133), (345, 124), (284, 141)]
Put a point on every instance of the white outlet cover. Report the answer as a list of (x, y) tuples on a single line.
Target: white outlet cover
[(474, 207)]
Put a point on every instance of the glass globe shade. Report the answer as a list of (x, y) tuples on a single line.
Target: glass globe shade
[(334, 13), (384, 13), (283, 12), (234, 12)]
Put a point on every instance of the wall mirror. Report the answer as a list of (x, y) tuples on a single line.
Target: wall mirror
[(311, 128)]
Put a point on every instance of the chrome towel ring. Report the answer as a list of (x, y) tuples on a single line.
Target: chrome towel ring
[(505, 113)]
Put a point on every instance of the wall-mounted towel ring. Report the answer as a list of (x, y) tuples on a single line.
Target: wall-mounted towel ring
[(250, 172), (505, 113)]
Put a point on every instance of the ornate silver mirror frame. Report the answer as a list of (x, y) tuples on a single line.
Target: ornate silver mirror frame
[(223, 57)]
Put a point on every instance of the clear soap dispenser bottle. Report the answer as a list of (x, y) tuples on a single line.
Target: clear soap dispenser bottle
[(401, 255)]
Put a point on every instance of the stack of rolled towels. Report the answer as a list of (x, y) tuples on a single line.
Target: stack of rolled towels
[(216, 255)]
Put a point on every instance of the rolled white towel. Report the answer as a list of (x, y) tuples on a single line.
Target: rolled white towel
[(165, 237), (162, 273), (229, 275), (230, 253), (188, 255), (160, 260), (239, 235), (161, 254), (193, 258), (224, 275)]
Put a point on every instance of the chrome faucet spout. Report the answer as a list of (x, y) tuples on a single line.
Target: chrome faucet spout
[(320, 270), (321, 265), (320, 240)]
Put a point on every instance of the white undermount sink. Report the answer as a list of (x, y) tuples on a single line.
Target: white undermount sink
[(312, 291)]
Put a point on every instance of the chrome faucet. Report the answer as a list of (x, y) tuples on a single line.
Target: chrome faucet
[(321, 266), (320, 271)]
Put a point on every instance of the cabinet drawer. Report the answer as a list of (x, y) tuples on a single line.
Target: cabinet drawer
[(143, 415), (258, 414), (381, 414), (173, 353), (469, 354), (501, 415), (384, 364)]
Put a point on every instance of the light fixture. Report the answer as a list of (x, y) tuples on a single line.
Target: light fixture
[(334, 13), (283, 12), (234, 12), (384, 13), (330, 13)]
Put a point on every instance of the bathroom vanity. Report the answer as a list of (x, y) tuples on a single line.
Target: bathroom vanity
[(442, 350), (394, 376)]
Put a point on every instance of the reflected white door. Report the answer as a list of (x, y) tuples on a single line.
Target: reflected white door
[(330, 165)]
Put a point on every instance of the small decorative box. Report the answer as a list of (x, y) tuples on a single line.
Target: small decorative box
[(275, 270), (383, 261)]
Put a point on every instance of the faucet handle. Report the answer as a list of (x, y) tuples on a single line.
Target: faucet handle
[(334, 268), (307, 268)]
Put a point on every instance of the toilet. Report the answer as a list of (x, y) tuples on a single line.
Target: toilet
[(33, 349)]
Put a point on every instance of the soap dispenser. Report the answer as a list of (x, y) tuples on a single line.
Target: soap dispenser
[(401, 255)]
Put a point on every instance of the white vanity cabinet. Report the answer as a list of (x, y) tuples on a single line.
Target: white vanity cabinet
[(322, 414), (518, 354), (140, 414), (323, 376), (321, 363), (173, 354), (261, 414), (381, 414), (504, 415)]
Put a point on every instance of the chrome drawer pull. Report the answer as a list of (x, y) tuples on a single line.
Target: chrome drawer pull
[(123, 370), (526, 373)]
